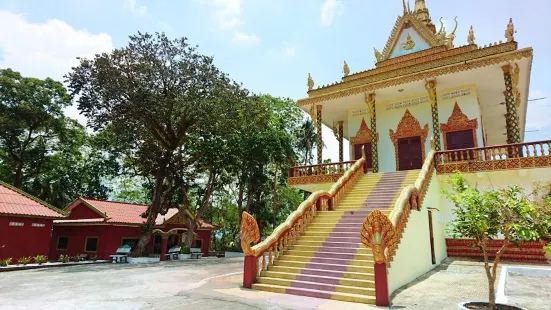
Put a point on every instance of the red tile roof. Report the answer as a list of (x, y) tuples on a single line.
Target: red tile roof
[(14, 201), (124, 213)]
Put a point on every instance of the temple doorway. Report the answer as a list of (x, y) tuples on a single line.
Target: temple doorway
[(410, 154), (458, 140)]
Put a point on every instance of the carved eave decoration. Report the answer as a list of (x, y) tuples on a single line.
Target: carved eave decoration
[(458, 121), (409, 126), (363, 135), (406, 21)]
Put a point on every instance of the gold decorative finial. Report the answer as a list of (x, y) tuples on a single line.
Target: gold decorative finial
[(451, 36), (405, 8), (378, 55), (409, 44), (470, 37), (510, 32), (310, 82), (345, 69), (441, 34)]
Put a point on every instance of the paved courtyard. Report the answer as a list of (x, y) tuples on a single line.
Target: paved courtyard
[(210, 284)]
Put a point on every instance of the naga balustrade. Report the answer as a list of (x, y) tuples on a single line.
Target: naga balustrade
[(262, 255), (382, 234), (323, 169), (492, 158)]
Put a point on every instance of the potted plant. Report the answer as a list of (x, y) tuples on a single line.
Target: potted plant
[(4, 262), (486, 215), (185, 252), (63, 258), (40, 259)]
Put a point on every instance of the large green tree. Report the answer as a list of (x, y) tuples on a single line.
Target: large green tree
[(169, 106)]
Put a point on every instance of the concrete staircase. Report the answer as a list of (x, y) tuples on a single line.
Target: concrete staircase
[(328, 259)]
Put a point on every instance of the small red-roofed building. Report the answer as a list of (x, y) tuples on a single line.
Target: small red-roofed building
[(25, 223), (97, 227)]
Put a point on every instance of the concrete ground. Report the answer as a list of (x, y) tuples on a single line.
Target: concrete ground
[(212, 283)]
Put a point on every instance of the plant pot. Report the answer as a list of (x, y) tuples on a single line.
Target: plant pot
[(143, 260), (184, 256), (470, 305)]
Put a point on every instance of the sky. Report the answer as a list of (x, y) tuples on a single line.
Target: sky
[(268, 45)]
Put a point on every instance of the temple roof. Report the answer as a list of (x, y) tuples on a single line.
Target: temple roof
[(16, 202), (113, 212)]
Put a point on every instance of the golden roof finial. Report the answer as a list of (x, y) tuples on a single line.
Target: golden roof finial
[(310, 82), (405, 7), (345, 69), (451, 36), (378, 55), (470, 37), (510, 32)]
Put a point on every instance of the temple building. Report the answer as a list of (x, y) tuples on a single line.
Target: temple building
[(435, 103), (98, 228)]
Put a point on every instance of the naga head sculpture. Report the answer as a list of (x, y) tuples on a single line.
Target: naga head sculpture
[(378, 234), (249, 233)]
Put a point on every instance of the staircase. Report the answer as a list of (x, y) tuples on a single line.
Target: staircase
[(526, 252), (328, 259)]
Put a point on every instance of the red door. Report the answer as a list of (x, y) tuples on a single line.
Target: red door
[(368, 154), (458, 140), (410, 155)]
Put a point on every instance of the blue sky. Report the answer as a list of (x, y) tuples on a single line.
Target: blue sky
[(268, 45)]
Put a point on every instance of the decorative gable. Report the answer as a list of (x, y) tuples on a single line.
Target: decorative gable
[(409, 35)]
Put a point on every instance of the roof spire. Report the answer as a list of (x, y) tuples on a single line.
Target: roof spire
[(422, 13), (405, 7)]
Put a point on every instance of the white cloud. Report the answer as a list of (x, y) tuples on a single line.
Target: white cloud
[(329, 9), (289, 51), (227, 13), (243, 38), (134, 7), (46, 49), (538, 115)]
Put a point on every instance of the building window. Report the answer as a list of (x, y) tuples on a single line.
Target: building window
[(91, 244), (130, 242), (17, 224), (38, 225), (62, 243)]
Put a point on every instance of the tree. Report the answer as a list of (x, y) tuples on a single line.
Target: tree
[(488, 215), (307, 141), (31, 122), (167, 105)]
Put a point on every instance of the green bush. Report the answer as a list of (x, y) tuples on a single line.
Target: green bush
[(4, 262), (40, 259), (185, 250), (24, 260), (63, 258)]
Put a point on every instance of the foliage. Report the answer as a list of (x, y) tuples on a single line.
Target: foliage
[(76, 258), (307, 141), (24, 260), (488, 215), (185, 250), (63, 258), (40, 259), (168, 106), (94, 258), (4, 262)]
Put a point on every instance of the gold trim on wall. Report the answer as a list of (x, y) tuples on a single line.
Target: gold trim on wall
[(458, 121)]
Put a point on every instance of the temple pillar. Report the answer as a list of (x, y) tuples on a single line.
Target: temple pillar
[(318, 129), (340, 133), (512, 99), (370, 100), (430, 86), (164, 244)]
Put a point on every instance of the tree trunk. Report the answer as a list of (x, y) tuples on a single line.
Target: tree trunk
[(141, 247), (190, 234), (18, 178), (274, 195)]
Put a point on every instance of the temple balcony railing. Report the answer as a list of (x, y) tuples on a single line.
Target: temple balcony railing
[(495, 158), (317, 177)]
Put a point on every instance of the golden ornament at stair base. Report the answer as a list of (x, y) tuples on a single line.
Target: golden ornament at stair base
[(470, 37), (409, 44), (510, 32), (310, 82), (345, 69), (249, 233), (378, 233)]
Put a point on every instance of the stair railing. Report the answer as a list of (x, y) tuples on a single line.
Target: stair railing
[(262, 255), (382, 233)]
